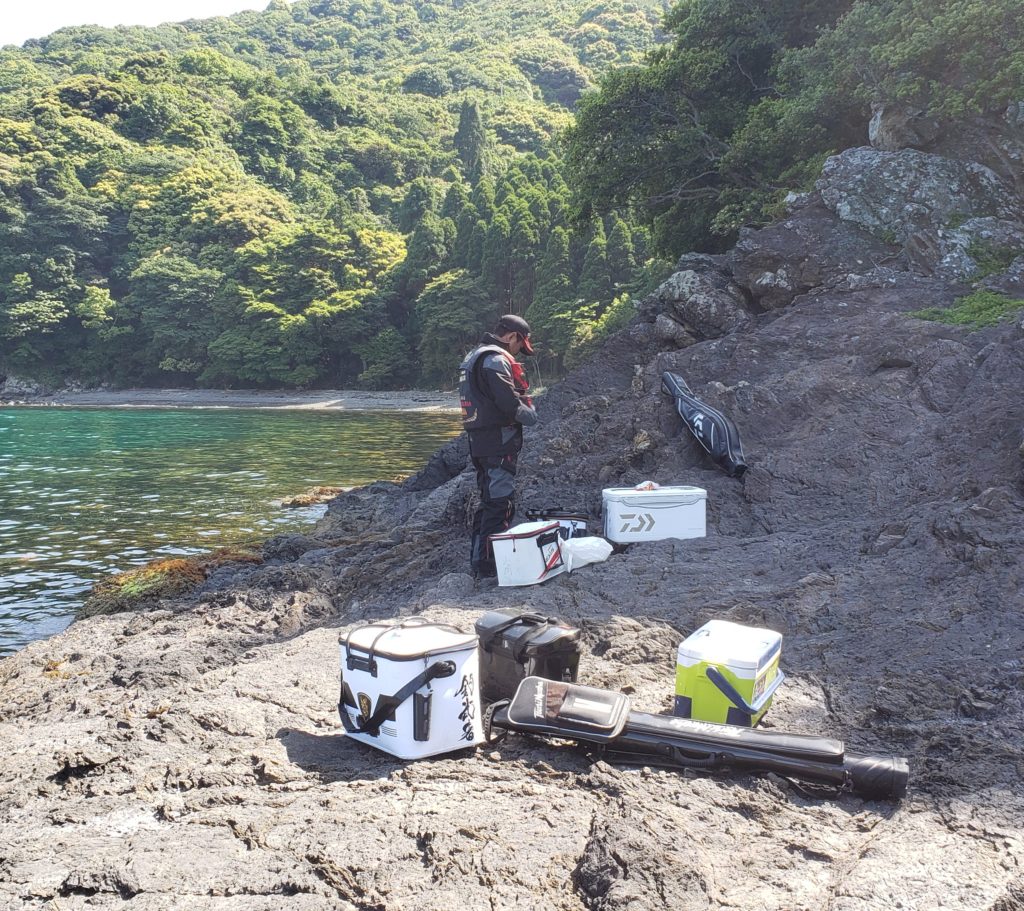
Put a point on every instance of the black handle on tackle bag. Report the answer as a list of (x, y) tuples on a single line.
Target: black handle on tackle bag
[(387, 704), (369, 663), (528, 619), (550, 538)]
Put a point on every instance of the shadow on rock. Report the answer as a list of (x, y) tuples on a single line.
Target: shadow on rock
[(335, 757)]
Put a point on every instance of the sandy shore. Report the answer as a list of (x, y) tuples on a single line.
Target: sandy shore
[(324, 400)]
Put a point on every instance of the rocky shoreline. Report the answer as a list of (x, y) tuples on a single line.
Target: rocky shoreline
[(18, 393), (189, 755)]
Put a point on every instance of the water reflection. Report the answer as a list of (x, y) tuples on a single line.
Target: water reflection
[(88, 492)]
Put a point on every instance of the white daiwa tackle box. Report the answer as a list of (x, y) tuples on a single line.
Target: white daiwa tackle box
[(651, 515), (529, 553), (412, 688)]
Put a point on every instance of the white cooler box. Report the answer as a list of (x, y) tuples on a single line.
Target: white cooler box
[(529, 553), (652, 515), (411, 689)]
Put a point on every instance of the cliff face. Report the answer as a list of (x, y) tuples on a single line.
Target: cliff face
[(190, 756)]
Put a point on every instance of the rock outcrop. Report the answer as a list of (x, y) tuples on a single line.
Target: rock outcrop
[(810, 249), (190, 756), (894, 127)]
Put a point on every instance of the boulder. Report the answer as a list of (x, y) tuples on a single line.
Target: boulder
[(14, 387), (894, 127), (670, 333), (896, 195), (994, 141), (706, 304), (1009, 282), (968, 249), (811, 249)]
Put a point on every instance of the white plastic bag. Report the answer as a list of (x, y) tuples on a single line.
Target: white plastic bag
[(577, 552)]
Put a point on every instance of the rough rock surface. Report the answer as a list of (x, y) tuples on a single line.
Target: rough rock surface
[(997, 143), (939, 209), (702, 300), (190, 756), (901, 193), (894, 127), (811, 249), (13, 388)]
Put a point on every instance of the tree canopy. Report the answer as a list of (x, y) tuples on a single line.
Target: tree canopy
[(315, 194)]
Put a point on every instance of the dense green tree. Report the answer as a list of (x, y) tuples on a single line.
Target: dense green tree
[(621, 258), (712, 132), (421, 197), (659, 136), (596, 279), (428, 80), (524, 246), (496, 261), (471, 141), (388, 360), (171, 307), (265, 199), (428, 252), (449, 314), (456, 199)]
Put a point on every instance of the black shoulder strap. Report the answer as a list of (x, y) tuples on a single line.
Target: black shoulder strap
[(476, 368), (387, 704)]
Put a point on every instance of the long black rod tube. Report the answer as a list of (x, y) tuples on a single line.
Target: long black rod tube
[(700, 745)]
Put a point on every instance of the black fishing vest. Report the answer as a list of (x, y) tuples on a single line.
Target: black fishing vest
[(491, 433)]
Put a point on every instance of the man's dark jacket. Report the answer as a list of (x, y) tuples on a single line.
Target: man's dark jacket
[(494, 403)]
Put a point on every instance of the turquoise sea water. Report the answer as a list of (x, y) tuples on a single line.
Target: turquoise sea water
[(88, 492)]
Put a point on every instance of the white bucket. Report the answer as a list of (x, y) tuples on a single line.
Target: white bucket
[(652, 515), (411, 689), (529, 553)]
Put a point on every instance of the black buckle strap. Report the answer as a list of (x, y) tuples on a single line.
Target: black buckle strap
[(387, 704)]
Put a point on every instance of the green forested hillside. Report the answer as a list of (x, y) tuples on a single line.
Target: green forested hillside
[(331, 192)]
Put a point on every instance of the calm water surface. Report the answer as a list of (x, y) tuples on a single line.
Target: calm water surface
[(88, 492)]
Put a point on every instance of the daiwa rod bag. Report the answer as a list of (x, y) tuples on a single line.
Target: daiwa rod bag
[(713, 430), (575, 712)]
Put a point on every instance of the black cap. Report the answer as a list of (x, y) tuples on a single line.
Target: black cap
[(512, 323)]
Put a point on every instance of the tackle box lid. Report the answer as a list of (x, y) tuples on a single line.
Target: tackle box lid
[(526, 633), (723, 642), (407, 641), (525, 530), (661, 495)]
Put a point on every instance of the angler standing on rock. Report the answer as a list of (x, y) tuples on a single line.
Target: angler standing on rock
[(495, 408)]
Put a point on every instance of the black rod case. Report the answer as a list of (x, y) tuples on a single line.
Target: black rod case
[(713, 430), (571, 711)]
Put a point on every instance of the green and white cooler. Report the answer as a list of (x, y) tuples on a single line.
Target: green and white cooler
[(728, 673)]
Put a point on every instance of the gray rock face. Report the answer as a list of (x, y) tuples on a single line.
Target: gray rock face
[(1010, 282), (705, 303), (997, 143), (894, 127), (14, 387), (811, 249), (935, 207), (895, 195), (959, 252)]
